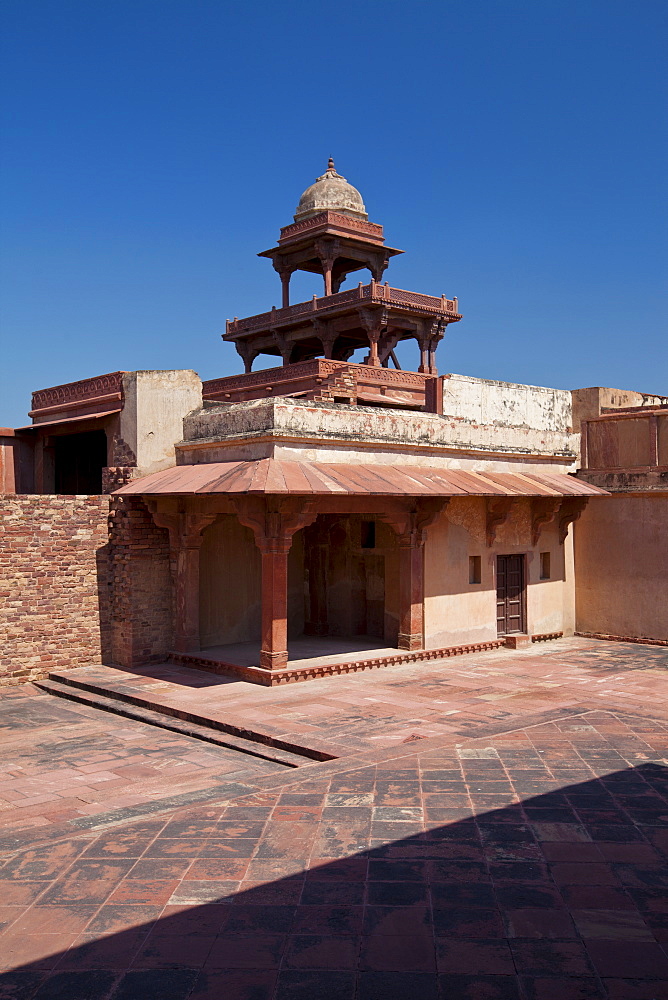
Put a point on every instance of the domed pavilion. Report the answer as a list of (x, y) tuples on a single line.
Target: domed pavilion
[(331, 235)]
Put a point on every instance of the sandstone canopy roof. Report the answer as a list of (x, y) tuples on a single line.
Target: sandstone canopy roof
[(270, 476)]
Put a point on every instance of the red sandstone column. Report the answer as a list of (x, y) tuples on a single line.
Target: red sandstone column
[(273, 522), (411, 591), (424, 357), (285, 282), (274, 647), (185, 540), (411, 528), (373, 353)]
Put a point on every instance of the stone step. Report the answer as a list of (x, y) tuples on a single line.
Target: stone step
[(203, 729)]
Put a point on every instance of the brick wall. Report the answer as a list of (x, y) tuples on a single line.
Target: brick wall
[(83, 579), (141, 593), (54, 581)]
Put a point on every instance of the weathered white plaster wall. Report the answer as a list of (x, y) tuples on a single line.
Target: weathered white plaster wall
[(154, 405), (457, 612), (507, 404), (295, 430)]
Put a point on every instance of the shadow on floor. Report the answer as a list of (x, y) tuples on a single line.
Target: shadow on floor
[(562, 896)]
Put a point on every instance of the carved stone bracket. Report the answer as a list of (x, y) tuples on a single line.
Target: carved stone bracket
[(412, 521), (274, 520), (185, 529), (498, 509), (570, 511), (543, 511)]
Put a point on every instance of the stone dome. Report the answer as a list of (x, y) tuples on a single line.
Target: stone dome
[(331, 191)]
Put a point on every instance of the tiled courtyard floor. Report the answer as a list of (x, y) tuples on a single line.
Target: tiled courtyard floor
[(514, 855), (381, 708)]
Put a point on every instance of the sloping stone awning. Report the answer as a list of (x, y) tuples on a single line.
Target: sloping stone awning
[(269, 476)]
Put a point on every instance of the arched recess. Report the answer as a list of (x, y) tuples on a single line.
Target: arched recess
[(231, 585)]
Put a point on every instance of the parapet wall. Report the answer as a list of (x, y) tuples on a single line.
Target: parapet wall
[(294, 430), (54, 573), (507, 404)]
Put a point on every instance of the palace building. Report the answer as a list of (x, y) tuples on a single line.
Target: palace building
[(324, 515)]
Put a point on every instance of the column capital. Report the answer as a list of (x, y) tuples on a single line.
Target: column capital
[(185, 528), (274, 520)]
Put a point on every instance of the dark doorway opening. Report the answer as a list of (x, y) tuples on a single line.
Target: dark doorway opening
[(345, 577), (79, 460), (510, 595)]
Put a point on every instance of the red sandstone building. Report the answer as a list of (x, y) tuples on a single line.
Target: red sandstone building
[(322, 515)]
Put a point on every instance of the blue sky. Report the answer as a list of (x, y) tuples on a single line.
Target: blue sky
[(515, 149)]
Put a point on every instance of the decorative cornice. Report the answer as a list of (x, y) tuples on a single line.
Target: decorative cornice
[(78, 392)]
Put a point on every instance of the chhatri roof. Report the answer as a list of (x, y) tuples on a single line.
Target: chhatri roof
[(330, 191), (270, 476)]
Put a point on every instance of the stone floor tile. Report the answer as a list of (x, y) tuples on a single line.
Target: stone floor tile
[(234, 984), (396, 986), (479, 987), (456, 956), (293, 984)]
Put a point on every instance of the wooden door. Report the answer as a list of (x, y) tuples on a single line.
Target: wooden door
[(510, 595)]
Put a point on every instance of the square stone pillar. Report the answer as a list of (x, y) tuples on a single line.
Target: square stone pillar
[(273, 522), (411, 591), (185, 541), (274, 640), (411, 527)]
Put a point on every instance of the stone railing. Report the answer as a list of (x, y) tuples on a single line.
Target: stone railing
[(320, 368), (371, 294)]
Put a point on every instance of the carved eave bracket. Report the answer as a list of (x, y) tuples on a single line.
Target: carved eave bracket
[(274, 520), (185, 529), (543, 511), (570, 511), (412, 521), (498, 509)]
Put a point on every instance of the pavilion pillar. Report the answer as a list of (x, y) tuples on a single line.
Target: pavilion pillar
[(285, 272), (185, 541), (411, 590), (411, 527), (373, 322), (327, 266), (273, 522), (285, 285), (274, 638), (424, 366)]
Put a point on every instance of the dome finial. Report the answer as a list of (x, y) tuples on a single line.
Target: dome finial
[(330, 163)]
